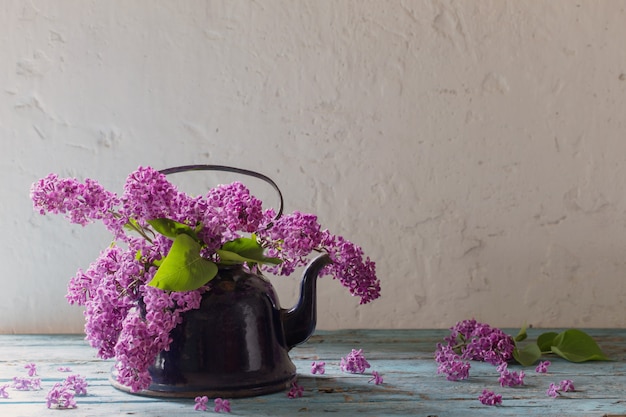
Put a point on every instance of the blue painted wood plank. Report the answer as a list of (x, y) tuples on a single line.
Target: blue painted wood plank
[(404, 357)]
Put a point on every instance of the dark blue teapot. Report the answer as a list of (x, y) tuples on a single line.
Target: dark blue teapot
[(237, 343)]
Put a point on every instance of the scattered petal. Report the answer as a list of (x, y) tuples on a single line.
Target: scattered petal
[(543, 366), (221, 405), (567, 385), (32, 369), (295, 391), (201, 403), (377, 378), (553, 391), (490, 398), (318, 368)]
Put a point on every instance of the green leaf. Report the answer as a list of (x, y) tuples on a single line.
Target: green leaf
[(528, 355), (577, 346), (545, 341), (522, 335), (170, 228), (183, 269), (244, 249)]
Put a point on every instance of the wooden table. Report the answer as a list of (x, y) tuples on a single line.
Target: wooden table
[(404, 358)]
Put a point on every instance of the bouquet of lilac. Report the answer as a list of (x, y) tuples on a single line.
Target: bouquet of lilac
[(168, 245)]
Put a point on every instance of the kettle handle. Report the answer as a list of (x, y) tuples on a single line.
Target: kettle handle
[(224, 168)]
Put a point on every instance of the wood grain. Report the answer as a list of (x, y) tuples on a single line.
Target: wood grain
[(404, 358)]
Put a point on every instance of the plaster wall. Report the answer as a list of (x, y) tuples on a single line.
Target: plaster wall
[(475, 149)]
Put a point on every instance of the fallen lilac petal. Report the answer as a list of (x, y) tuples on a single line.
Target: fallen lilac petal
[(542, 368), (295, 391), (200, 403), (490, 398), (567, 385), (318, 368), (32, 369), (221, 405), (553, 391), (377, 378)]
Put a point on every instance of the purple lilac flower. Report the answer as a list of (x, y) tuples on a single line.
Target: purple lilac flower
[(553, 390), (350, 266), (508, 378), (148, 195), (82, 203), (32, 369), (354, 362), (26, 384), (471, 340), (112, 287), (3, 391), (60, 396), (221, 405), (567, 385), (451, 364), (543, 366), (377, 378), (76, 383), (242, 211), (292, 237), (142, 338), (296, 391), (490, 398), (482, 342), (201, 403), (318, 368)]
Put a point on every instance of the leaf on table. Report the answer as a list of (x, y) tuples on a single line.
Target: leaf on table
[(528, 355), (577, 346), (545, 341), (521, 335)]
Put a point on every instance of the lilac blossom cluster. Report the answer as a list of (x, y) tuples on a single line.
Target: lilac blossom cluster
[(21, 383), (354, 362), (470, 340), (508, 378), (127, 319), (62, 394), (490, 398)]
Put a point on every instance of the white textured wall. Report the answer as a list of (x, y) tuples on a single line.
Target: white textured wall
[(475, 149)]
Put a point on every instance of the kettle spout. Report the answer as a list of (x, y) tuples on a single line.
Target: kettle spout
[(299, 322)]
